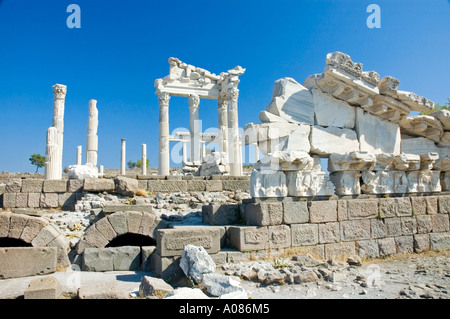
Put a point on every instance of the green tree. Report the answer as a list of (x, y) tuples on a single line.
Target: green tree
[(139, 163), (131, 164), (38, 160)]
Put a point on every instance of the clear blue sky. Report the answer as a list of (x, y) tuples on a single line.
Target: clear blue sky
[(123, 46)]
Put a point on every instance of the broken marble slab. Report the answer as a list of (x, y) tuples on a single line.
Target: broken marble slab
[(444, 117), (423, 181), (407, 162), (353, 161), (376, 135), (292, 101), (427, 160), (309, 183), (268, 184), (417, 145), (442, 164), (330, 111), (346, 182), (384, 162), (344, 62), (327, 140), (384, 182), (445, 139), (286, 161), (267, 117), (422, 125), (388, 108)]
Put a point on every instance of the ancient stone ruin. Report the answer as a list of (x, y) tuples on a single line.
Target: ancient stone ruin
[(348, 169)]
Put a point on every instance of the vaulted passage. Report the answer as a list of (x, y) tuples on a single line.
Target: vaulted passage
[(13, 242), (130, 239)]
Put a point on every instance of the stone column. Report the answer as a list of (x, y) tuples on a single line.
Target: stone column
[(123, 157), (194, 127), (92, 138), (100, 170), (256, 153), (223, 125), (184, 151), (59, 96), (235, 157), (144, 159), (203, 150), (52, 155), (79, 148), (164, 158)]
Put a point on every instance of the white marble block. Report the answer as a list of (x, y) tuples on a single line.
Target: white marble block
[(83, 171), (292, 101), (268, 184), (286, 161), (309, 183), (353, 161), (417, 145), (407, 162), (346, 182), (377, 135), (327, 140), (423, 181), (384, 182), (427, 160), (384, 162), (444, 117), (330, 111), (423, 125)]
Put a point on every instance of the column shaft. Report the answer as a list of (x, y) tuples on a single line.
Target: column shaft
[(164, 158)]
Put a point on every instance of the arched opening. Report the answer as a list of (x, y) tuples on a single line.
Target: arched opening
[(130, 239), (13, 242)]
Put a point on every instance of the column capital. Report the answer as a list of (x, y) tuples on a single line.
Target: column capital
[(222, 104), (59, 91), (163, 98), (233, 94), (194, 100)]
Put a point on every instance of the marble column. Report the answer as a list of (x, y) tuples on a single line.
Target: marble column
[(164, 158), (235, 156), (223, 125), (92, 138), (123, 157), (52, 155), (100, 170), (184, 152), (79, 149), (256, 153), (59, 96), (194, 127), (144, 159)]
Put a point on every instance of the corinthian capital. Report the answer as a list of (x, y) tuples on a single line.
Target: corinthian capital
[(233, 94), (194, 101), (164, 98), (59, 91)]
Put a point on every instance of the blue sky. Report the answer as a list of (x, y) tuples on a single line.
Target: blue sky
[(123, 46)]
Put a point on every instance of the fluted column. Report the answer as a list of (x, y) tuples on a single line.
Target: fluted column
[(59, 96), (79, 149), (235, 156), (164, 157), (184, 152), (144, 159), (92, 138), (194, 127), (223, 125), (52, 155)]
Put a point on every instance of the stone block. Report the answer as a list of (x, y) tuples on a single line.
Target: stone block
[(444, 204), (342, 210), (105, 290), (167, 186), (126, 186), (387, 207), (146, 257), (327, 140), (346, 182), (9, 200), (151, 286), (377, 228), (111, 258), (32, 185), (75, 185), (104, 227), (376, 135), (432, 204), (196, 186), (440, 241), (17, 223), (367, 248), (55, 186), (68, 200), (418, 205), (134, 220), (341, 250), (279, 236), (49, 200), (421, 243), (387, 246), (43, 288), (118, 222), (46, 236), (113, 208), (245, 238), (330, 111), (16, 262), (33, 226), (238, 185), (323, 211), (424, 225), (34, 200), (384, 182), (224, 214), (393, 226), (423, 181), (362, 208), (404, 244), (295, 212), (440, 223), (267, 184), (304, 234), (149, 225), (409, 225), (214, 186), (21, 200), (171, 242), (329, 233), (357, 229), (309, 183), (14, 185), (98, 185), (4, 223), (264, 214), (95, 238)]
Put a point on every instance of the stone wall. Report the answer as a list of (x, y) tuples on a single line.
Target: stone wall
[(17, 192)]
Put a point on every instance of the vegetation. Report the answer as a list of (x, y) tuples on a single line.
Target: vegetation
[(137, 164), (439, 107), (38, 160)]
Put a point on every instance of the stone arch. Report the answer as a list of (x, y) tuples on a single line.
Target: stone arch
[(37, 232), (108, 228)]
